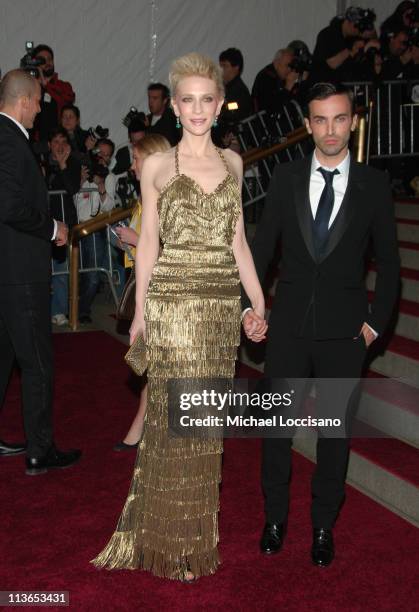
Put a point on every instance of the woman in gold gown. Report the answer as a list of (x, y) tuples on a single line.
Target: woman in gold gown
[(188, 311)]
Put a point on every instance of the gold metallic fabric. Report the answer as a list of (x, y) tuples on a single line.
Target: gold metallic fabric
[(170, 518)]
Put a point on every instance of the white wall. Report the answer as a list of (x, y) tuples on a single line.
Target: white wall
[(110, 49)]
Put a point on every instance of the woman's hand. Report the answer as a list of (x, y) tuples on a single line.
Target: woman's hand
[(137, 329), (254, 325), (127, 235)]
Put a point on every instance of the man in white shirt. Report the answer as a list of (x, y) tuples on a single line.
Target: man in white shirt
[(325, 209)]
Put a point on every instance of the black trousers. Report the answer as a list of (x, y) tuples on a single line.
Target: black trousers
[(293, 357), (25, 335)]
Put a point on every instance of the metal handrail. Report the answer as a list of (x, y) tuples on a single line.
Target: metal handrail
[(79, 231)]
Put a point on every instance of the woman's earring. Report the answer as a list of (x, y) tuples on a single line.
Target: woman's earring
[(215, 124), (178, 123)]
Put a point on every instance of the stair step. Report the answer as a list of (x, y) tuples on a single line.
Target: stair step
[(386, 469), (408, 230), (409, 254), (409, 282), (400, 360), (407, 209)]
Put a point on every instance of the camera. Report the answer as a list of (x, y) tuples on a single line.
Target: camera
[(29, 62), (98, 132), (95, 168), (133, 115), (302, 60), (362, 18)]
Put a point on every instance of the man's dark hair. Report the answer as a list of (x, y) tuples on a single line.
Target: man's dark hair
[(159, 87), (233, 56), (71, 107), (322, 91), (40, 48), (58, 131), (106, 141), (136, 125)]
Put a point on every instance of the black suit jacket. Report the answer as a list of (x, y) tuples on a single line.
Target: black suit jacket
[(166, 126), (331, 289), (26, 227)]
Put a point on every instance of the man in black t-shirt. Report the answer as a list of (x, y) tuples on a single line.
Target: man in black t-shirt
[(236, 91)]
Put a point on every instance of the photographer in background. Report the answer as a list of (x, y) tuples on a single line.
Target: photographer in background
[(274, 84), (89, 204), (396, 53), (55, 94), (334, 48), (123, 155), (70, 121), (62, 173), (161, 119)]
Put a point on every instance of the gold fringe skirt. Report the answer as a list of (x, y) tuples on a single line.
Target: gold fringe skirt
[(170, 519)]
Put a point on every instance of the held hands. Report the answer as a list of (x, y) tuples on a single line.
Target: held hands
[(137, 329), (255, 326), (61, 236)]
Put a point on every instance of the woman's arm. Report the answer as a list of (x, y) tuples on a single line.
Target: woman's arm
[(247, 270), (148, 244)]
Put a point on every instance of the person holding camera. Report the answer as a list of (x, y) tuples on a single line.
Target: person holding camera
[(334, 48), (274, 84), (89, 204), (124, 153), (55, 93)]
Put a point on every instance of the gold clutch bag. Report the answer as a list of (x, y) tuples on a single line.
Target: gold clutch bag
[(136, 357)]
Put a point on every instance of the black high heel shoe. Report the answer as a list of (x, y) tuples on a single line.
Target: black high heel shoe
[(122, 446)]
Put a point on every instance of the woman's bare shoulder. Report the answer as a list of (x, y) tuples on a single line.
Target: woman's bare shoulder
[(235, 162), (160, 167)]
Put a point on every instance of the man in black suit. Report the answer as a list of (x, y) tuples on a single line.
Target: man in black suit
[(26, 232), (325, 208)]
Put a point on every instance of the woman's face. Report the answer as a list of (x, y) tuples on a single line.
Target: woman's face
[(197, 102), (137, 163), (69, 120)]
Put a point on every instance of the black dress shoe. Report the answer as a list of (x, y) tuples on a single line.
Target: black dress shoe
[(323, 550), (54, 459), (7, 449), (272, 538), (123, 446)]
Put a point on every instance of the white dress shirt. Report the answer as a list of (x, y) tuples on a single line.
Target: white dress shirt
[(317, 183), (25, 132)]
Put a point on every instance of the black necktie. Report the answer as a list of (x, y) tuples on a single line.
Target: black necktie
[(324, 211)]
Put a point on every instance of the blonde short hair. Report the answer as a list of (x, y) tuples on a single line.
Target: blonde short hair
[(152, 143), (195, 64)]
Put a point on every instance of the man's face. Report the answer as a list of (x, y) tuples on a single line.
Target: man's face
[(69, 120), (136, 137), (398, 44), (58, 145), (48, 67), (330, 123), (156, 102), (104, 154), (229, 71), (31, 106), (282, 65)]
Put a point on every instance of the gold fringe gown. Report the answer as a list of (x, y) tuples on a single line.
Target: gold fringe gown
[(170, 519)]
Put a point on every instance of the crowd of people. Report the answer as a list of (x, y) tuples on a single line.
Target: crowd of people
[(198, 282), (86, 164)]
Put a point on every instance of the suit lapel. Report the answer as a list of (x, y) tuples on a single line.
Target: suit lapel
[(302, 205), (346, 211)]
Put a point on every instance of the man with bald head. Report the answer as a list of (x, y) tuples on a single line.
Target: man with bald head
[(26, 234), (274, 84)]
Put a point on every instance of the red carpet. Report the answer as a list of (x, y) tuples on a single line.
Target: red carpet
[(53, 524)]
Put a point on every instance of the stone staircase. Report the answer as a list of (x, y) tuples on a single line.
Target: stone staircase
[(384, 463)]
